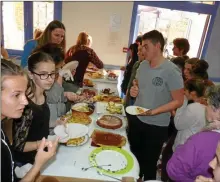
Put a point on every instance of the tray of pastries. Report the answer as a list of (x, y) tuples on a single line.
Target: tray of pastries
[(107, 98)]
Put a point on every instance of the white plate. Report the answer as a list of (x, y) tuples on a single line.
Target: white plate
[(101, 108), (71, 65), (73, 130), (132, 110), (116, 159), (86, 139)]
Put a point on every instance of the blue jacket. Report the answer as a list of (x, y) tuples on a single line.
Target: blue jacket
[(28, 48)]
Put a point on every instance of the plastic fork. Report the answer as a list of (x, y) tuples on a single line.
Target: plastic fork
[(85, 169)]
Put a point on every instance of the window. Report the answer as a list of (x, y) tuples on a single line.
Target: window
[(43, 14), (20, 19), (173, 24), (204, 2), (13, 21), (177, 18)]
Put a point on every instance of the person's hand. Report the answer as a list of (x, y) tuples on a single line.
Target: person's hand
[(73, 72), (203, 179), (63, 121), (147, 113), (42, 156), (173, 113), (71, 96), (134, 89), (66, 74), (70, 53)]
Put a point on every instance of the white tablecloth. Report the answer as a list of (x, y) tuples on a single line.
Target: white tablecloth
[(69, 161)]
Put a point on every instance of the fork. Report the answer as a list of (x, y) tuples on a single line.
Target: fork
[(85, 169), (101, 174)]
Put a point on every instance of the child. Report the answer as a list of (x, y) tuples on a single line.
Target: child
[(34, 123)]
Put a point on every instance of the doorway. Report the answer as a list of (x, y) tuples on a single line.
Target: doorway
[(189, 20)]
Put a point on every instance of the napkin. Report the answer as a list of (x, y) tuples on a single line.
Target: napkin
[(23, 170)]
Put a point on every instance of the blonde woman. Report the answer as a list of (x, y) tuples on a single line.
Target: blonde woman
[(54, 33), (84, 55)]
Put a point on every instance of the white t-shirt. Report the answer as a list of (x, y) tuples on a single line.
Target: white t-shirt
[(189, 120)]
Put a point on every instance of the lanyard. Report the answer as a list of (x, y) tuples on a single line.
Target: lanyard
[(12, 162)]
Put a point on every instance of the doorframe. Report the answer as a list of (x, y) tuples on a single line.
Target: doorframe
[(182, 6)]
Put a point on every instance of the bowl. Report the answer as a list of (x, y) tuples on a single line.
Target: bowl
[(79, 107)]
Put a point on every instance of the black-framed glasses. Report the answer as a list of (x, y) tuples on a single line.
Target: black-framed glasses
[(44, 76)]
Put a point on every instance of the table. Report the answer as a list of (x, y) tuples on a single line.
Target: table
[(105, 83), (69, 161)]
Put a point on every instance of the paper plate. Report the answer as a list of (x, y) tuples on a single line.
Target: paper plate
[(71, 65), (133, 110), (120, 161), (73, 130)]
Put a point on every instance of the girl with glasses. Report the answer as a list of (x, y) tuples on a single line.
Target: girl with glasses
[(34, 123)]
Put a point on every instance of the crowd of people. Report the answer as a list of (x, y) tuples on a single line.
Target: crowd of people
[(184, 105), (183, 115), (36, 93)]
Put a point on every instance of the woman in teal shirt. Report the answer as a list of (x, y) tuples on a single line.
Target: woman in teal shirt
[(54, 33)]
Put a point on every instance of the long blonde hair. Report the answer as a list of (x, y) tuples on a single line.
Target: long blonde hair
[(82, 40), (45, 37)]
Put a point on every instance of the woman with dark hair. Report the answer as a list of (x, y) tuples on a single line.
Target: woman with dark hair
[(190, 118), (197, 69), (13, 101), (34, 123), (181, 47), (180, 62), (132, 59), (82, 53), (57, 98), (53, 33)]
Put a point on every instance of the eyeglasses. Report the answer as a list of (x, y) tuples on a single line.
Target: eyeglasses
[(45, 76)]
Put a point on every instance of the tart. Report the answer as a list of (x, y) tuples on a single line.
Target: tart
[(102, 138), (109, 122)]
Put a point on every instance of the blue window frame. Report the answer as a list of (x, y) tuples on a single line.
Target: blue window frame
[(175, 5), (28, 23)]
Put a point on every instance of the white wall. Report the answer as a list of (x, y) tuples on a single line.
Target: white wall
[(213, 52), (94, 18)]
